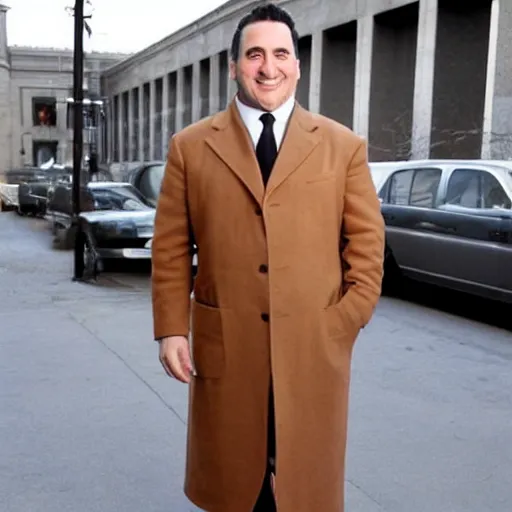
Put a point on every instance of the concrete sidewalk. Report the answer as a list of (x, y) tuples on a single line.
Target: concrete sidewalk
[(89, 422)]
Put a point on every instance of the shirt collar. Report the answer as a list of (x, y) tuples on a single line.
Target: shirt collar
[(251, 115)]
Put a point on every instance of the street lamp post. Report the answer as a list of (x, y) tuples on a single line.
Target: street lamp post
[(78, 94)]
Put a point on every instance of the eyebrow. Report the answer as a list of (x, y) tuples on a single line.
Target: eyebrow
[(255, 49)]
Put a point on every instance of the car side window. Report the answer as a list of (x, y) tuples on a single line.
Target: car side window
[(471, 188), (425, 185), (412, 187), (400, 187), (464, 188), (493, 194)]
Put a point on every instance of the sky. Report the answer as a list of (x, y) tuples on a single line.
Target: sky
[(116, 28)]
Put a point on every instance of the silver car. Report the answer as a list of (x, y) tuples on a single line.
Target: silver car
[(449, 223)]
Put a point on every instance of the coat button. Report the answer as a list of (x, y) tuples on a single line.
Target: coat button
[(258, 211), (263, 269), (265, 317)]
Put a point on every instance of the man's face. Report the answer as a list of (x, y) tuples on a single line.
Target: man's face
[(267, 70)]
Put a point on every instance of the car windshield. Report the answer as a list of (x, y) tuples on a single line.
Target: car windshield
[(125, 198)]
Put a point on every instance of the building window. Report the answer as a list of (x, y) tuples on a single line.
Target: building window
[(44, 111)]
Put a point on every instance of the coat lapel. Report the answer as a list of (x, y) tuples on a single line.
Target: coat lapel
[(300, 139), (232, 144)]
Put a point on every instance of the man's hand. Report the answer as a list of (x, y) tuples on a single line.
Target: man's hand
[(175, 358)]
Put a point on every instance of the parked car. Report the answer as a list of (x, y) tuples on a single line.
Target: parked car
[(33, 184), (116, 222), (147, 178), (33, 188), (117, 219), (12, 180), (449, 223)]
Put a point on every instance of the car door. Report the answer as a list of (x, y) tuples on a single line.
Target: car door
[(473, 214), (497, 203), (408, 199)]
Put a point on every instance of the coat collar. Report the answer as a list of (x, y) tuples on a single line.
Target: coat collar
[(231, 142)]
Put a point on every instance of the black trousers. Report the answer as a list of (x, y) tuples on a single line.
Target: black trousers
[(266, 502)]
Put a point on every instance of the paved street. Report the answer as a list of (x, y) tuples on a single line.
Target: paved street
[(90, 423)]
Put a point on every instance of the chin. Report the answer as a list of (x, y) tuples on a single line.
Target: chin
[(270, 104)]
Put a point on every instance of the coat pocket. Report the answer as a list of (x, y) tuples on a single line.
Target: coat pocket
[(207, 341), (340, 322)]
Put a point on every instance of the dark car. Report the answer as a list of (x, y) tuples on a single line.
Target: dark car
[(33, 188), (34, 183), (109, 235), (115, 218), (449, 223), (147, 178)]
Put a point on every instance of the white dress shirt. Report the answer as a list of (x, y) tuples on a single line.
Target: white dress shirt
[(251, 118)]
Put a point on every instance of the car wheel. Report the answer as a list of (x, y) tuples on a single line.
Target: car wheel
[(90, 259)]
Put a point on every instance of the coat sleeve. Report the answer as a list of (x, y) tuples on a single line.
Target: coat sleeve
[(363, 234), (171, 251)]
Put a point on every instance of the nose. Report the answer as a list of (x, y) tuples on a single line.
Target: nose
[(268, 67)]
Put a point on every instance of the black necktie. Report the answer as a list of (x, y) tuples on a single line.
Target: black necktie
[(266, 149)]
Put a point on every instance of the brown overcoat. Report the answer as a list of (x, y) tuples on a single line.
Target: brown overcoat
[(287, 277)]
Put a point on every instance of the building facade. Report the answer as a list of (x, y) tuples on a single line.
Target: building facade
[(36, 116), (417, 79)]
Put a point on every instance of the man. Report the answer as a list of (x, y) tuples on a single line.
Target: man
[(290, 243)]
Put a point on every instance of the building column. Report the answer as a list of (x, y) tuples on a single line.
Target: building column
[(315, 72), (140, 139), (4, 46), (152, 117), (363, 76), (120, 131), (6, 108), (180, 85), (165, 115), (110, 129), (232, 88), (132, 151), (196, 91), (424, 80), (497, 123), (62, 127), (214, 103)]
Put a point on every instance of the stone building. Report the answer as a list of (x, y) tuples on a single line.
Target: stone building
[(427, 78), (417, 79), (35, 114)]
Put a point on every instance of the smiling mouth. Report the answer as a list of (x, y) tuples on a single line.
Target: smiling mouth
[(269, 84)]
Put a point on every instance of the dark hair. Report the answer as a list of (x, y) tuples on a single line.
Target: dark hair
[(266, 12)]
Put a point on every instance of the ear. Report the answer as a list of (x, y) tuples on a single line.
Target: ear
[(232, 69)]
